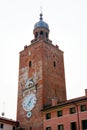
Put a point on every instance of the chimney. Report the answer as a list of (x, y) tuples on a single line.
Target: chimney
[(25, 46), (54, 101), (85, 92)]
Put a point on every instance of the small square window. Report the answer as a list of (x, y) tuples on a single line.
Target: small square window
[(59, 113), (84, 124), (30, 128), (48, 128), (83, 108), (73, 126), (14, 128), (48, 116), (60, 127), (1, 125), (72, 110)]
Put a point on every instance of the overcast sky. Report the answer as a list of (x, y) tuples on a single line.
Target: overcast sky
[(67, 21)]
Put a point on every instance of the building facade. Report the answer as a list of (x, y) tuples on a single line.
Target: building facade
[(69, 115), (8, 124), (42, 88)]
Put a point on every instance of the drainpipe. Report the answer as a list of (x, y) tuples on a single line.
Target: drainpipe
[(77, 116)]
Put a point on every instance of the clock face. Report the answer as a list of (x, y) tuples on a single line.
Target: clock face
[(29, 102)]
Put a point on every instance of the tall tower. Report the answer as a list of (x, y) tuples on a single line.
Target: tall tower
[(41, 78)]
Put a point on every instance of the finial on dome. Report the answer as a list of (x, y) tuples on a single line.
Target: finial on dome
[(41, 16)]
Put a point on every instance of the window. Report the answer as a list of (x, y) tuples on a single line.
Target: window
[(30, 63), (73, 126), (60, 127), (48, 115), (30, 128), (41, 33), (14, 128), (54, 64), (84, 125), (48, 128), (36, 35), (83, 108), (1, 125), (46, 35), (59, 113), (72, 110)]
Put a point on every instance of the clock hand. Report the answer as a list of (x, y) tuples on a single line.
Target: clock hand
[(30, 101)]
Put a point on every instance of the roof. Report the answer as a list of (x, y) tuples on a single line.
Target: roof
[(41, 23), (8, 121), (67, 102)]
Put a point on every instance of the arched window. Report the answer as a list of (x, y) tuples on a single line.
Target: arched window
[(36, 35), (46, 35), (54, 64), (41, 33), (30, 63)]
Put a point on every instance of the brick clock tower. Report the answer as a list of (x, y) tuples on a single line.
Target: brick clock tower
[(41, 78)]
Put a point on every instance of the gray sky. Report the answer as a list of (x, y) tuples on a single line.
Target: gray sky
[(67, 21)]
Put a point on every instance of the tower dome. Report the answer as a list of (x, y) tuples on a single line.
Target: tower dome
[(41, 23), (41, 30)]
